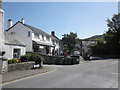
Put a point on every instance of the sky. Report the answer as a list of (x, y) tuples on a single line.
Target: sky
[(84, 18)]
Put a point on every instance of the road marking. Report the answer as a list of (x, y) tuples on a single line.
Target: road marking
[(9, 82)]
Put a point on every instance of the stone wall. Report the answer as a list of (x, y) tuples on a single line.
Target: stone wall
[(20, 66)]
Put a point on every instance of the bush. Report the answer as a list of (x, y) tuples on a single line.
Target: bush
[(13, 61), (25, 58), (36, 57)]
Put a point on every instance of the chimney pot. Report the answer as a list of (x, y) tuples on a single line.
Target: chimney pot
[(53, 33), (23, 21), (10, 23)]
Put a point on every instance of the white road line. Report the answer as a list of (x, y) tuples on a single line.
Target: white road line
[(27, 77)]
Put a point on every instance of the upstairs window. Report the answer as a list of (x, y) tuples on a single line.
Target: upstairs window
[(48, 39), (42, 37), (13, 33), (36, 35), (28, 33)]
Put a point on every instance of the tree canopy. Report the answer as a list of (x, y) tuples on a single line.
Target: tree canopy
[(112, 36), (111, 44), (70, 41)]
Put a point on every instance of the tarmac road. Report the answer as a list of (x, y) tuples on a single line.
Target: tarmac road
[(90, 74)]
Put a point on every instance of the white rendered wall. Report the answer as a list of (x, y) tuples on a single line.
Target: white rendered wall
[(21, 32), (41, 40), (1, 29), (9, 51)]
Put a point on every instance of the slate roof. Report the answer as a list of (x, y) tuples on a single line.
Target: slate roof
[(36, 30), (43, 43), (12, 39)]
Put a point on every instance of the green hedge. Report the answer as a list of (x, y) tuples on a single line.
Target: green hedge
[(32, 57), (59, 60)]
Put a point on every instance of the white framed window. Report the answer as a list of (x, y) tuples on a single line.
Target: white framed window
[(42, 37), (48, 38), (16, 53), (28, 33), (36, 35), (13, 33)]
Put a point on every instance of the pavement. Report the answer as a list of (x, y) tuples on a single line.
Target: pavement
[(14, 75)]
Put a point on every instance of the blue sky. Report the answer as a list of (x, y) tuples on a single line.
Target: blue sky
[(84, 18)]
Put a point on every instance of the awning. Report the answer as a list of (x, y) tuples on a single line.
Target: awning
[(43, 43)]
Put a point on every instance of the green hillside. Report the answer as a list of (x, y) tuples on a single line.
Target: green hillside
[(96, 37)]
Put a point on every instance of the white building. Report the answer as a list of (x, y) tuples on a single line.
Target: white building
[(1, 27), (34, 38), (12, 46), (86, 44)]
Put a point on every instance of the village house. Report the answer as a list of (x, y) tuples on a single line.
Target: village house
[(34, 38), (86, 45), (11, 45), (1, 27)]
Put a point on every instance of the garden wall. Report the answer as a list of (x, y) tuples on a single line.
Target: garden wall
[(59, 60), (20, 66), (51, 59)]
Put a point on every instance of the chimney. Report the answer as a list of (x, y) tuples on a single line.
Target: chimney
[(10, 23), (53, 33), (23, 21)]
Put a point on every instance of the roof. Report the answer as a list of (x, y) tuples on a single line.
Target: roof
[(43, 43), (40, 31), (36, 30), (12, 39)]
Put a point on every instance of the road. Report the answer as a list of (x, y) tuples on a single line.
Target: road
[(91, 74)]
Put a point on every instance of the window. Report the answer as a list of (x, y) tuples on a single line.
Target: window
[(13, 33), (47, 38), (36, 35), (28, 33), (16, 53), (53, 42), (42, 37)]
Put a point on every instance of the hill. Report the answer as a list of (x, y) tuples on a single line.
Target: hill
[(96, 37)]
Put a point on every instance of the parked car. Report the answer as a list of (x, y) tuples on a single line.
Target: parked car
[(95, 58)]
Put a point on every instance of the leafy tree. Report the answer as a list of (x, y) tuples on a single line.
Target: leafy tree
[(111, 46), (70, 41), (112, 36)]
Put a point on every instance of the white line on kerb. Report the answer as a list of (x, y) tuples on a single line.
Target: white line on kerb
[(27, 77)]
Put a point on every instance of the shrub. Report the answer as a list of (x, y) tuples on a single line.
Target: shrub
[(36, 57), (32, 57), (25, 58), (13, 61)]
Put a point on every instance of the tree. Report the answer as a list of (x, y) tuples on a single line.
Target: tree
[(70, 41), (111, 43), (112, 36)]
